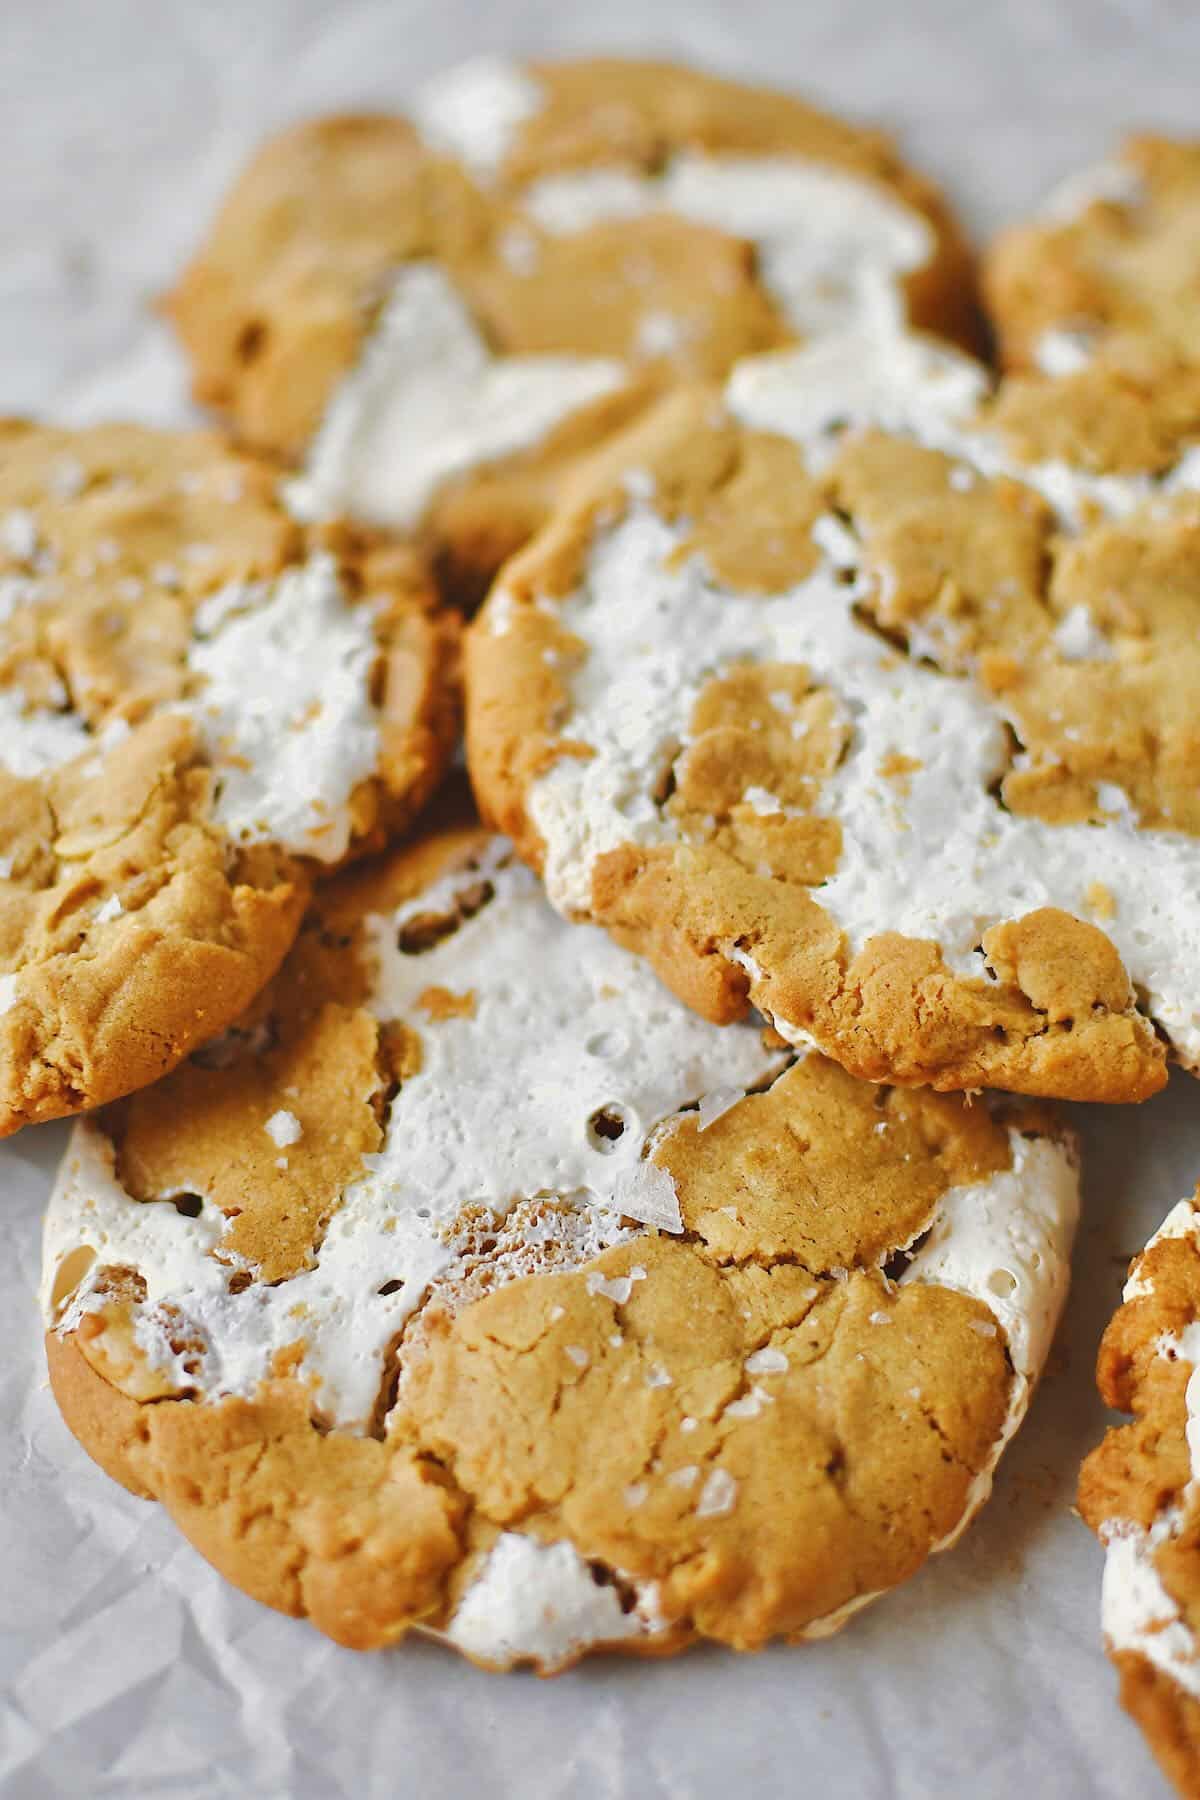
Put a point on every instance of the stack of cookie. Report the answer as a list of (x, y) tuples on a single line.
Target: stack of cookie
[(629, 1214)]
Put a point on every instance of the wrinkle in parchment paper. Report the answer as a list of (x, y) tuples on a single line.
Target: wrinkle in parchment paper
[(127, 1668)]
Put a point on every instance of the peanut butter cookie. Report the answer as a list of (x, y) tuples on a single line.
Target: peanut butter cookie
[(1140, 1493), (866, 696), (439, 316), (200, 704), (474, 1283)]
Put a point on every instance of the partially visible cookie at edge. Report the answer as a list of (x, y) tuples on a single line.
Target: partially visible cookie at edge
[(1112, 261), (863, 694), (1140, 1493), (473, 1283), (201, 704), (439, 316)]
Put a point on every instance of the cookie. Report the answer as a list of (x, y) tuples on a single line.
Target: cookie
[(440, 316), (475, 1283), (1113, 259), (201, 703), (862, 695), (1140, 1493)]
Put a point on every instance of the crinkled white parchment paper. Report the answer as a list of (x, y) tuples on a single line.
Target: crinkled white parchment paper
[(126, 1666)]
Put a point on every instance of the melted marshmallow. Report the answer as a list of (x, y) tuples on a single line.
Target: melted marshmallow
[(1019, 1224), (942, 860), (832, 249), (428, 402), (499, 1111), (285, 709), (1137, 1613), (538, 1603), (34, 740), (914, 386), (1007, 1242)]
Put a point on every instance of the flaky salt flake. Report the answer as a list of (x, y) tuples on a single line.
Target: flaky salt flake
[(749, 1406), (519, 250), (647, 1193), (111, 909), (658, 1377), (718, 1495), (557, 1313), (67, 479), (763, 802), (284, 1128), (983, 1328), (577, 1354), (619, 1288), (635, 1493), (18, 534), (616, 1341), (114, 733), (689, 1424), (767, 1362), (685, 1477), (639, 484), (880, 1318), (718, 1101)]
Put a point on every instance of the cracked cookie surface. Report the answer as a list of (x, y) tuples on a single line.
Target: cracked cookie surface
[(440, 317), (474, 1283), (1140, 1493), (200, 703), (1111, 261), (858, 693)]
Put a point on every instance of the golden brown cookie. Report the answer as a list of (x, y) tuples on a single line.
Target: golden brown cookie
[(474, 1283), (440, 317), (1140, 1492), (201, 703), (1112, 260), (865, 696)]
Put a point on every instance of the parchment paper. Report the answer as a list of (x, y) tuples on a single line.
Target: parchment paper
[(126, 1666)]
